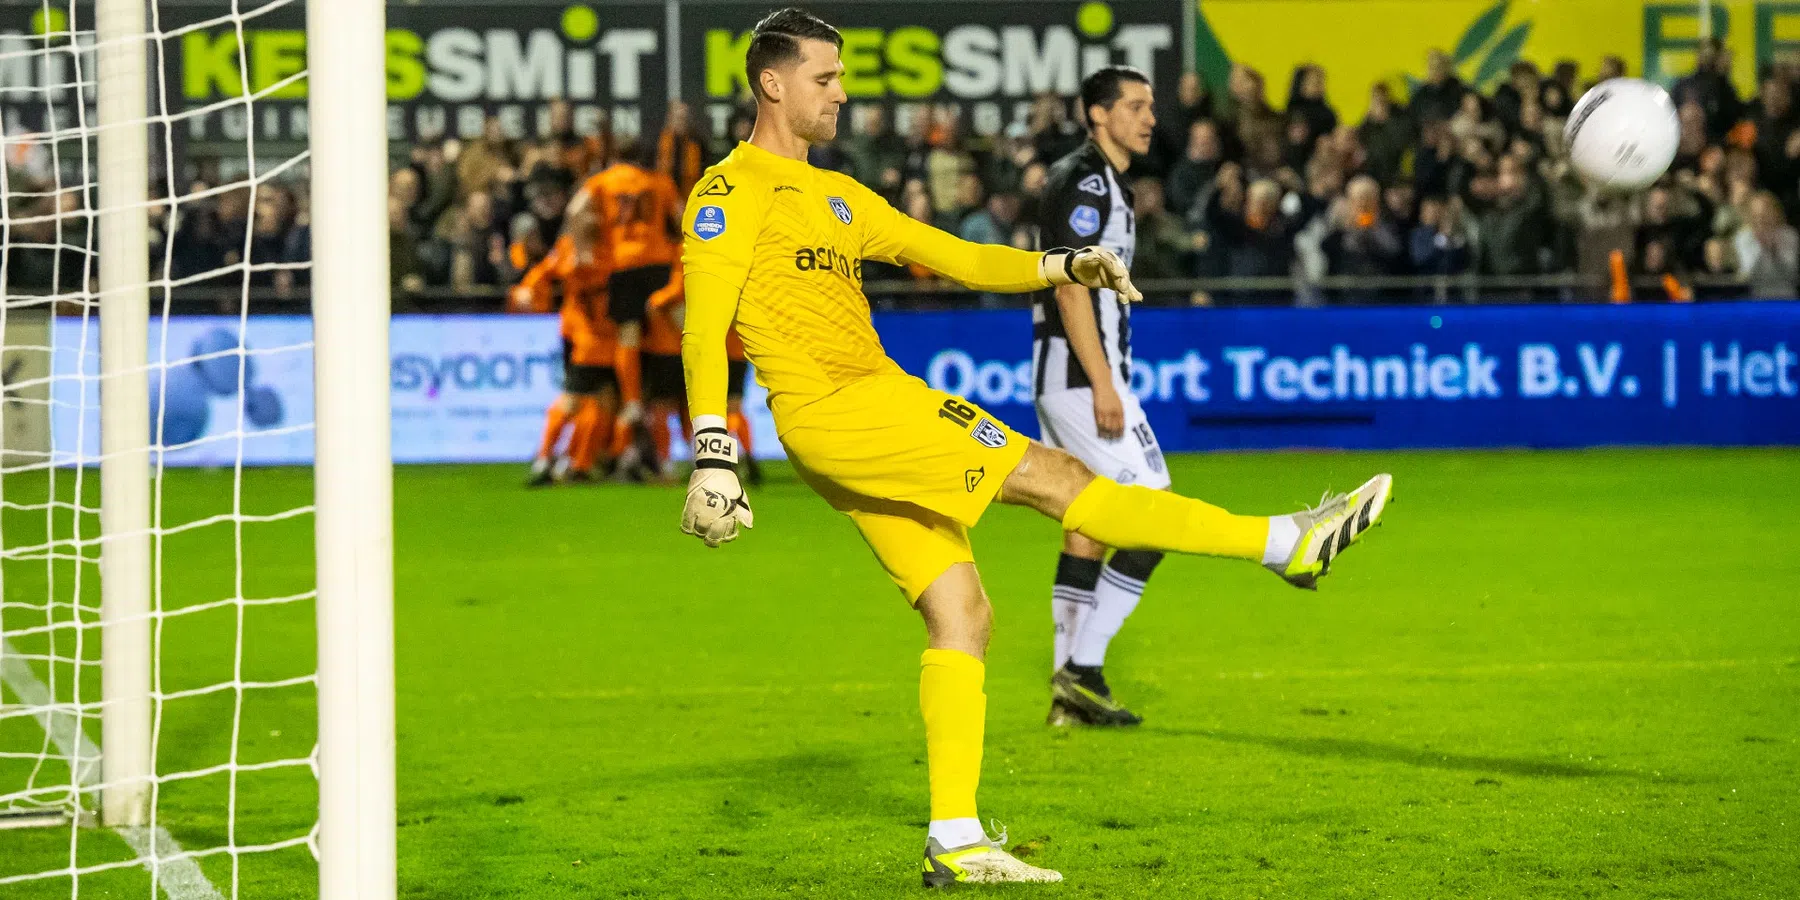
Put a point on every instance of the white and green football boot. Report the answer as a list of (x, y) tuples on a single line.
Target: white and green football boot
[(983, 862), (1327, 530)]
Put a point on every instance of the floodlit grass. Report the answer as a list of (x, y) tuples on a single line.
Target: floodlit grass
[(1550, 675)]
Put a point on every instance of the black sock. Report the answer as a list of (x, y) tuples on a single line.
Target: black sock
[(1135, 564), (1077, 572)]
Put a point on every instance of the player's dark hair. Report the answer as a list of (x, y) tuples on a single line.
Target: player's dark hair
[(775, 42), (636, 150), (1104, 87)]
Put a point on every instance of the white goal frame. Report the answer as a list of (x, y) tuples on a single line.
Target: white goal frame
[(353, 463), (353, 468)]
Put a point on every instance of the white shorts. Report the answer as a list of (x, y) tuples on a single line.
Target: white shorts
[(1067, 420)]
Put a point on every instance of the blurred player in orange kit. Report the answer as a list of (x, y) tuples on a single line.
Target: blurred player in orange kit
[(665, 392), (590, 391), (634, 214)]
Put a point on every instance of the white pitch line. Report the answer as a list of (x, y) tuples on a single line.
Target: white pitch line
[(180, 877)]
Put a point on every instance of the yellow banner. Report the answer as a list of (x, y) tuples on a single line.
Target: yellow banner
[(1360, 42)]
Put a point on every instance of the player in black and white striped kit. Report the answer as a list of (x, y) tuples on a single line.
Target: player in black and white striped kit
[(1081, 359)]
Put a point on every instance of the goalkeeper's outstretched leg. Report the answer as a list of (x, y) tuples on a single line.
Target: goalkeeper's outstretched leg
[(958, 620), (1299, 547)]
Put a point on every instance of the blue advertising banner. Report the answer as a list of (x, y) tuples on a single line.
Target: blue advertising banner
[(205, 408), (474, 388), (465, 389), (1548, 376)]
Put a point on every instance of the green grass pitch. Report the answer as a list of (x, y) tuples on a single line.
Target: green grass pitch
[(1549, 675)]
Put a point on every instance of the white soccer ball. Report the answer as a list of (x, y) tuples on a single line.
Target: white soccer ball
[(1623, 134)]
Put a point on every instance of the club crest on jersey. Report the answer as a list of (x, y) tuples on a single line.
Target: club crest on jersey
[(1085, 220), (1093, 185), (709, 223), (988, 434), (840, 209)]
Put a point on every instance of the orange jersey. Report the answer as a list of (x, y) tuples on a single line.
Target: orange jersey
[(592, 336), (635, 208), (585, 324)]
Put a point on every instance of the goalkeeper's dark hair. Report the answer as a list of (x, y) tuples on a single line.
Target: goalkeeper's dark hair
[(775, 42), (1104, 87)]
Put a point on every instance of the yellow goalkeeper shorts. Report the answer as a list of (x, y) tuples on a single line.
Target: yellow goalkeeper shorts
[(913, 467)]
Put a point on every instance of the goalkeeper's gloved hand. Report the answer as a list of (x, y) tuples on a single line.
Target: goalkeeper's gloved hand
[(716, 504), (1093, 267)]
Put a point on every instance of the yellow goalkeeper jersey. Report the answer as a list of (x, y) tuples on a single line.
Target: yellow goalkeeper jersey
[(778, 245)]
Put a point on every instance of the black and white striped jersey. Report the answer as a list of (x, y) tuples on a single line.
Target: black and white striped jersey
[(1085, 203)]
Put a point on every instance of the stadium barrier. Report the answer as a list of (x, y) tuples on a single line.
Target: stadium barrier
[(473, 388)]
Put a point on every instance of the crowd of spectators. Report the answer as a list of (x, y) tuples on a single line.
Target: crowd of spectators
[(1452, 181)]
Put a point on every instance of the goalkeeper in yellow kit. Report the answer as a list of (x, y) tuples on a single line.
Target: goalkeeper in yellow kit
[(777, 246)]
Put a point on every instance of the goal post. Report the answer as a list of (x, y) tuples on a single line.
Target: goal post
[(122, 158), (353, 468), (353, 494)]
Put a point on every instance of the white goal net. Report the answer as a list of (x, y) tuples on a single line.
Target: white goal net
[(167, 667)]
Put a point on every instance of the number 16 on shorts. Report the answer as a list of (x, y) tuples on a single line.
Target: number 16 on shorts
[(980, 427)]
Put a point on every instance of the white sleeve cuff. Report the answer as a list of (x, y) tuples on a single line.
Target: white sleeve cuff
[(701, 423)]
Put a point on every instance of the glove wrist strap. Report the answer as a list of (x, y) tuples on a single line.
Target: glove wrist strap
[(715, 448), (1058, 266)]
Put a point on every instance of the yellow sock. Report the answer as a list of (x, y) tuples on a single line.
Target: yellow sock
[(1133, 517), (955, 712)]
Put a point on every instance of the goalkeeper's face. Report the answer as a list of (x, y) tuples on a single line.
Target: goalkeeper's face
[(812, 91)]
